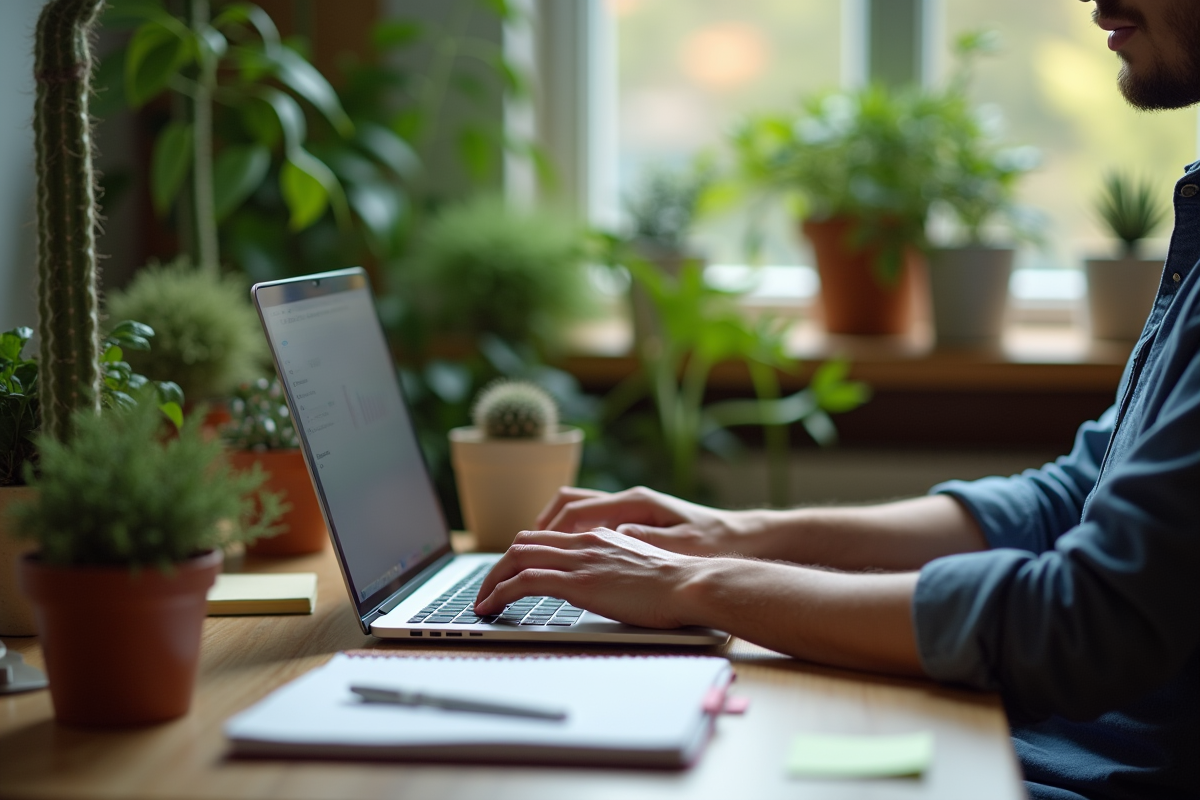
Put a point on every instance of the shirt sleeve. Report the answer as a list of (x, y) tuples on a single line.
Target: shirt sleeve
[(1031, 510), (1108, 612)]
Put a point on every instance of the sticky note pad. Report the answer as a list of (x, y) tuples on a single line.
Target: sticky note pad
[(253, 594), (822, 756)]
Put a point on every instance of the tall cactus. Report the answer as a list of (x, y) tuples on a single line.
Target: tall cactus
[(68, 318)]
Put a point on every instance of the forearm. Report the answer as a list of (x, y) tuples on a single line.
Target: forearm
[(861, 621), (904, 535)]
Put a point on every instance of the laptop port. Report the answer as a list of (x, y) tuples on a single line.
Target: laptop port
[(415, 633), (435, 633), (454, 633), (476, 634)]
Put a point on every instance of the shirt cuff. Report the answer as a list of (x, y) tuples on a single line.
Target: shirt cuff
[(1001, 508), (955, 613)]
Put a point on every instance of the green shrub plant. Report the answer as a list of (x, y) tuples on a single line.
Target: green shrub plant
[(1130, 209)]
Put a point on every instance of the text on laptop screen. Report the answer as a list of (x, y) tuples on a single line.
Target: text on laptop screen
[(332, 354)]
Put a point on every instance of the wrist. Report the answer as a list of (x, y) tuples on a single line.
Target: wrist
[(695, 600)]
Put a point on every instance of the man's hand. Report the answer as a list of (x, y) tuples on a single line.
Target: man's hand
[(603, 571), (655, 518)]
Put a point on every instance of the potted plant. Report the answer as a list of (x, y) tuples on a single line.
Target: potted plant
[(509, 465), (18, 422), (661, 213), (1122, 290), (129, 524), (261, 432), (978, 182), (861, 169), (207, 335)]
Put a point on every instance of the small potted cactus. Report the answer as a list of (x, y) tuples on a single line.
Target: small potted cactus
[(510, 463), (261, 432)]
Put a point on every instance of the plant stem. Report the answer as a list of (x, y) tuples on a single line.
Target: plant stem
[(766, 386), (207, 244)]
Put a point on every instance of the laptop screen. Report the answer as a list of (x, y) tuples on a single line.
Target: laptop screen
[(342, 387)]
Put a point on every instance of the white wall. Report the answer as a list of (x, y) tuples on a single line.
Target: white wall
[(17, 284)]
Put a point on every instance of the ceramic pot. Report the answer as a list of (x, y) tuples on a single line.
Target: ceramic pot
[(16, 614), (503, 484), (969, 286), (853, 298), (1120, 295), (644, 314), (131, 658), (304, 527)]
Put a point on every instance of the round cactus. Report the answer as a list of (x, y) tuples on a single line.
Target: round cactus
[(515, 410)]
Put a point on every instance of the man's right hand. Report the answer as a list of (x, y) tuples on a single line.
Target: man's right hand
[(655, 518)]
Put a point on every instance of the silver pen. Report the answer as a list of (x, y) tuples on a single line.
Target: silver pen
[(400, 697)]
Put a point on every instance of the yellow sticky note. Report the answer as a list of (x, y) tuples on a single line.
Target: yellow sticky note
[(824, 756)]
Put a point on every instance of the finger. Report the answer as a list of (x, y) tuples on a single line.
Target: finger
[(549, 582), (532, 549), (566, 494), (637, 506)]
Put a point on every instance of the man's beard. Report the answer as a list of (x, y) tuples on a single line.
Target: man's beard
[(1165, 87)]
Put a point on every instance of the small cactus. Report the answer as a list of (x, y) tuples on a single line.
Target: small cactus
[(515, 410)]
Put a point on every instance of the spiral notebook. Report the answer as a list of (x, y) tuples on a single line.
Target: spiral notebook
[(619, 710)]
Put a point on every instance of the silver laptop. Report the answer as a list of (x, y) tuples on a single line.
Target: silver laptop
[(374, 488)]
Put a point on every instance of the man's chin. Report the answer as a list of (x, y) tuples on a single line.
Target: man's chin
[(1157, 92)]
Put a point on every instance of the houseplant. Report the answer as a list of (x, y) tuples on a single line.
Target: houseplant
[(701, 327), (511, 462), (207, 335), (483, 266), (969, 275), (129, 524), (662, 212), (261, 433), (1122, 290)]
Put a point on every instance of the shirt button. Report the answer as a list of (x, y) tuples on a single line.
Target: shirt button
[(1189, 190), (1176, 277)]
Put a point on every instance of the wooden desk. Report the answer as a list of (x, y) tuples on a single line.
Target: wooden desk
[(244, 658)]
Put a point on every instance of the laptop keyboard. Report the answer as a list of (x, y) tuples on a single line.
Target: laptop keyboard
[(456, 606)]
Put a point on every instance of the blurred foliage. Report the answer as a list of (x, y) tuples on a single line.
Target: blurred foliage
[(665, 205), (260, 418), (123, 493), (122, 388), (208, 338), (700, 327), (483, 266), (1131, 209)]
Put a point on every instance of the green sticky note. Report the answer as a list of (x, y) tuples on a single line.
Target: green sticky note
[(822, 756)]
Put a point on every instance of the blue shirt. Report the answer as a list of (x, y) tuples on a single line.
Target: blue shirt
[(1085, 612)]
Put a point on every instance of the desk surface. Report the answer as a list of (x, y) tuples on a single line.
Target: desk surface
[(244, 658)]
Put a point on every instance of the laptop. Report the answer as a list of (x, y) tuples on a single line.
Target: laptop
[(375, 490)]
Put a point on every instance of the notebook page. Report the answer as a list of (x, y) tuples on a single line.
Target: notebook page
[(613, 703)]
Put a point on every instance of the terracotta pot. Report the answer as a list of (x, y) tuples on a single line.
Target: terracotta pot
[(854, 300), (121, 647), (1120, 295), (503, 484), (969, 286), (16, 614), (304, 527)]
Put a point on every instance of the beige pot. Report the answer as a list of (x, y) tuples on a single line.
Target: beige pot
[(16, 614), (969, 286), (1120, 295), (504, 483)]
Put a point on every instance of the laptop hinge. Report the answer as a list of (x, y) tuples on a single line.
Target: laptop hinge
[(400, 595)]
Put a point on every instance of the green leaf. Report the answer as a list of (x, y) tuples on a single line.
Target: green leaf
[(388, 149), (127, 328), (304, 194), (249, 14), (171, 164), (238, 171), (476, 150), (173, 412), (112, 353), (304, 79), (380, 208), (156, 53), (169, 392)]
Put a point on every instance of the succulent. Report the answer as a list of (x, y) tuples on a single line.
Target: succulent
[(261, 419), (69, 325), (515, 410), (1131, 209)]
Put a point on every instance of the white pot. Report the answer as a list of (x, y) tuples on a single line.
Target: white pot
[(16, 614), (504, 483), (969, 286), (1120, 295)]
